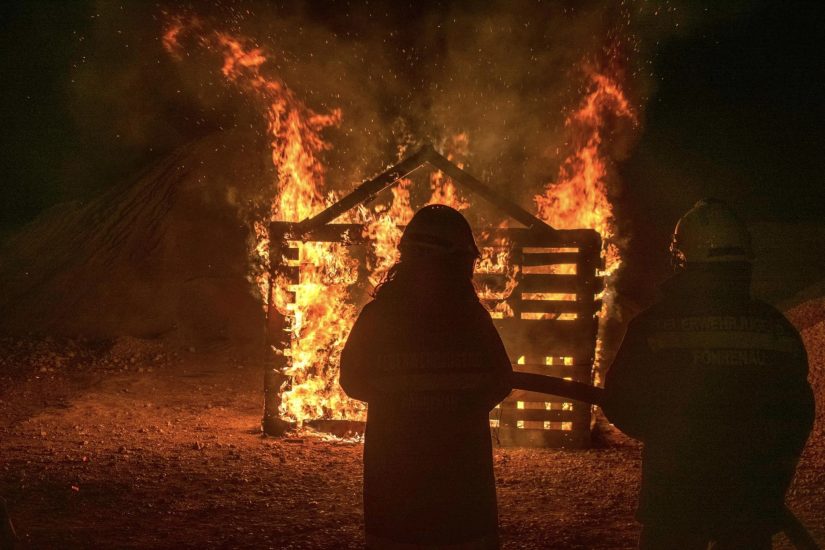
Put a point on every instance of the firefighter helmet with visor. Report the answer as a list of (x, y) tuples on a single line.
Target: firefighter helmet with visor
[(710, 232)]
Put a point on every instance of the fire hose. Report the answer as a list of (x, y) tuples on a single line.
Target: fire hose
[(576, 391), (793, 528)]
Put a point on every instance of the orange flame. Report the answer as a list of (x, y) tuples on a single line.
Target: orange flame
[(495, 260), (443, 189), (579, 196), (384, 234), (170, 36), (316, 305)]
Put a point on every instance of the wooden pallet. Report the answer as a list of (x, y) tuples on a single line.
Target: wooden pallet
[(551, 325), (552, 332)]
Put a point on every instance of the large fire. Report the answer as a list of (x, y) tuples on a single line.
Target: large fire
[(318, 308)]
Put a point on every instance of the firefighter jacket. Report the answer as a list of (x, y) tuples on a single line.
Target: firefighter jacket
[(430, 368), (714, 383)]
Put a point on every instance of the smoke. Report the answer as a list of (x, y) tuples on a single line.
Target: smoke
[(504, 73), (93, 98)]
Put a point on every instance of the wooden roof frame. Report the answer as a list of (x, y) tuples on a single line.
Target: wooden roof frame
[(427, 154)]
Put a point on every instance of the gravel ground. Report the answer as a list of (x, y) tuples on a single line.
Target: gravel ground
[(134, 446)]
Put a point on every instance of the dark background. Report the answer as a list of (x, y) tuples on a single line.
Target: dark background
[(735, 109), (739, 114)]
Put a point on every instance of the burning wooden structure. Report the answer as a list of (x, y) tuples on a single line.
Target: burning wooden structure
[(547, 317)]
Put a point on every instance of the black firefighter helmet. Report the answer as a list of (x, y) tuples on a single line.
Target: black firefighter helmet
[(438, 230)]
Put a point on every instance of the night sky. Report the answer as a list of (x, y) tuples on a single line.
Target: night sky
[(739, 115), (737, 111)]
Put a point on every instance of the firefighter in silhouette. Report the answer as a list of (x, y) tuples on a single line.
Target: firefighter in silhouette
[(714, 383), (425, 356)]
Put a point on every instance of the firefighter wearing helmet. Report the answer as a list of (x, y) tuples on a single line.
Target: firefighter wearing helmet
[(426, 357), (439, 231), (710, 233), (714, 383)]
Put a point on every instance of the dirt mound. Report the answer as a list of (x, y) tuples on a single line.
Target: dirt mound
[(786, 269), (809, 318), (814, 338), (164, 255), (807, 314)]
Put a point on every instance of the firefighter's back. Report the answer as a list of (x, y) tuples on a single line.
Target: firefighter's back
[(733, 403), (714, 383)]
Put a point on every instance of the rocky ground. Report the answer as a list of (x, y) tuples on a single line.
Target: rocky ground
[(131, 445)]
